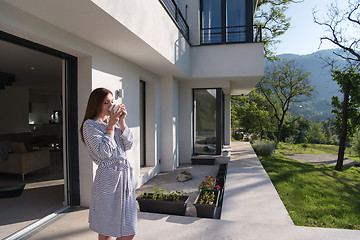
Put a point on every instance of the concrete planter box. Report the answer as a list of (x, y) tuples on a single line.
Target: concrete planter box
[(206, 210), (163, 206)]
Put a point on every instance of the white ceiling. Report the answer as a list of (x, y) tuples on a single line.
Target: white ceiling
[(34, 70), (85, 19)]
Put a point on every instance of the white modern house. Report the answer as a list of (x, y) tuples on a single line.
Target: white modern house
[(177, 62)]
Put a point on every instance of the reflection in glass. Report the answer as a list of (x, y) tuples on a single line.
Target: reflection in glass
[(223, 21), (211, 21), (235, 21), (204, 121)]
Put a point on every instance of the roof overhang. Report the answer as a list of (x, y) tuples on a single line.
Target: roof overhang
[(86, 20)]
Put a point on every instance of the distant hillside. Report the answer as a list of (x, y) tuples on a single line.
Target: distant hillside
[(320, 76), (318, 108)]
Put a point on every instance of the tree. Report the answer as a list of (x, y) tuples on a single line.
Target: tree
[(316, 134), (347, 111), (343, 30), (329, 129), (252, 114), (343, 25), (283, 85), (270, 14), (296, 130)]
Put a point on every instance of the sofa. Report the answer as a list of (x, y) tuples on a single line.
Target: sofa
[(29, 141), (25, 156)]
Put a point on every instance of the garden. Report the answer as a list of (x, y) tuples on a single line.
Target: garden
[(199, 196), (315, 195)]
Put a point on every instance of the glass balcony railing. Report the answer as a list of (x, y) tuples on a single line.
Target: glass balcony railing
[(235, 34), (218, 35), (175, 14)]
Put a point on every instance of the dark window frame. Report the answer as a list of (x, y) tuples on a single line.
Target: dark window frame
[(71, 124), (249, 11), (143, 121)]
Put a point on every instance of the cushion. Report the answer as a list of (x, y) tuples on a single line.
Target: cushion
[(18, 147)]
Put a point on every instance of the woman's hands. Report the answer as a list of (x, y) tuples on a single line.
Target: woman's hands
[(123, 112), (117, 116)]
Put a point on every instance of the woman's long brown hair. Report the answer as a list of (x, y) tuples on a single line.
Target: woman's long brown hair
[(94, 106)]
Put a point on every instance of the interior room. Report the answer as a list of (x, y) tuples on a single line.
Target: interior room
[(31, 136)]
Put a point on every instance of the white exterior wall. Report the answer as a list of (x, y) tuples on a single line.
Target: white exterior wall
[(169, 124), (190, 9), (234, 60), (96, 68), (151, 50), (149, 21), (227, 119)]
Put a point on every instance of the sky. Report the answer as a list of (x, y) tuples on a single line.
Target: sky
[(303, 36)]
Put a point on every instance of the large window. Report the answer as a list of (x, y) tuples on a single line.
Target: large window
[(208, 121), (226, 21), (235, 21), (211, 21)]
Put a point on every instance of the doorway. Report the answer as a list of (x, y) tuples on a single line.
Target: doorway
[(208, 121), (38, 94), (225, 21)]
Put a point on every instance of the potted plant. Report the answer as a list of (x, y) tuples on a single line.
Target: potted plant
[(163, 201), (206, 203), (208, 183)]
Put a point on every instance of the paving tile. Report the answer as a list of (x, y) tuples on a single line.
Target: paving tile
[(252, 211)]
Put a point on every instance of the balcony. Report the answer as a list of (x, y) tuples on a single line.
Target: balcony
[(175, 14), (234, 34), (217, 35)]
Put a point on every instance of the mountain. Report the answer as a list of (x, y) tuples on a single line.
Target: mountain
[(319, 107), (320, 77)]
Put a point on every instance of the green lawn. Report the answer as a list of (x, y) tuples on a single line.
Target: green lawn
[(316, 195), (309, 148)]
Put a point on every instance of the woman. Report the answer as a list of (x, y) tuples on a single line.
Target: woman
[(112, 210)]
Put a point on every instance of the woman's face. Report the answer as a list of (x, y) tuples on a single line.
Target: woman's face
[(108, 101)]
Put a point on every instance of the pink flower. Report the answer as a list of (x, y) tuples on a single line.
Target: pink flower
[(217, 186)]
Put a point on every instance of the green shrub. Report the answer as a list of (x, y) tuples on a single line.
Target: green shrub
[(264, 148), (238, 136), (356, 143)]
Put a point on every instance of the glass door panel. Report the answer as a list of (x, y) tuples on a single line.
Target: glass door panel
[(235, 21), (211, 21), (205, 121)]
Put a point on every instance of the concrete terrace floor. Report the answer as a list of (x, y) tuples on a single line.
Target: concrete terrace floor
[(252, 210)]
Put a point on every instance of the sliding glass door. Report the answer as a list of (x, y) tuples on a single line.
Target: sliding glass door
[(208, 121), (235, 21), (226, 21)]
